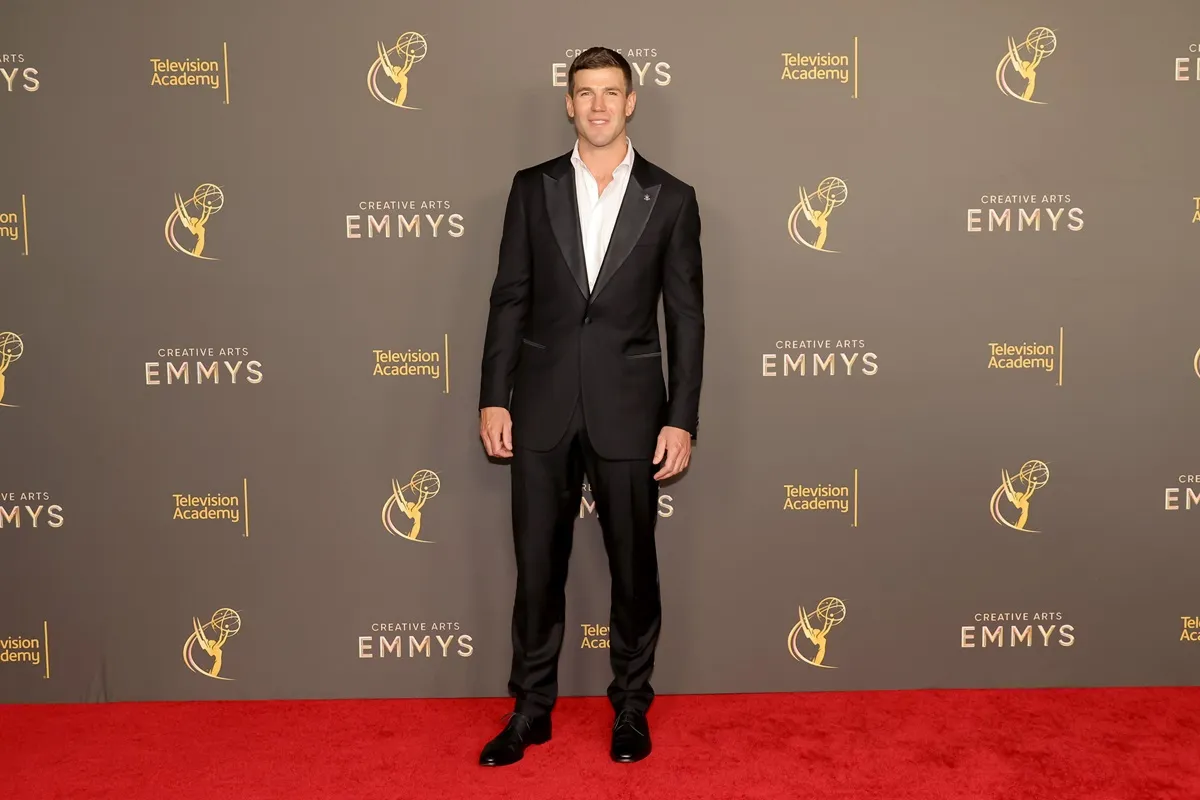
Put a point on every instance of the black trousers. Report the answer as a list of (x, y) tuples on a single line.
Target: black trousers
[(546, 493)]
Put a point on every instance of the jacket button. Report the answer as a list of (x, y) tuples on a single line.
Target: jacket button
[(587, 320)]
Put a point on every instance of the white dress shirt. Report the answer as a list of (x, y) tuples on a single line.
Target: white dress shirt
[(598, 212)]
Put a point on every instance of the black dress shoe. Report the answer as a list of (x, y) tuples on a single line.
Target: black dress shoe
[(509, 745), (630, 737)]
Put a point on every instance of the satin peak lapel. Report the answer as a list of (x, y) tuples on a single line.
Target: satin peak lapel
[(559, 188), (635, 210)]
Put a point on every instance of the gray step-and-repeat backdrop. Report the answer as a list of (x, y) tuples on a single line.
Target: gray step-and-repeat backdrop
[(951, 376)]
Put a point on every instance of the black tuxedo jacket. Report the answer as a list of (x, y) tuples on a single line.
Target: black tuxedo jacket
[(549, 338)]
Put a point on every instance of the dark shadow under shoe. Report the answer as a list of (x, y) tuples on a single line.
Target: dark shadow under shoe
[(509, 745), (630, 737)]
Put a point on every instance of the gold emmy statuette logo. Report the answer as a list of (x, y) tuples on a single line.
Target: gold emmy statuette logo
[(830, 194), (1033, 476), (210, 638), (829, 612), (424, 485), (1025, 59), (394, 64), (1195, 365), (11, 350), (193, 215)]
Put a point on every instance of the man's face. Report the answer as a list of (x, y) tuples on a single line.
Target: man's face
[(600, 105)]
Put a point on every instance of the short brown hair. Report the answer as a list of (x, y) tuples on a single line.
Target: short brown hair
[(599, 58)]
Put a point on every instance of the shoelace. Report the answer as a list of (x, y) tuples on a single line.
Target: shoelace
[(627, 718)]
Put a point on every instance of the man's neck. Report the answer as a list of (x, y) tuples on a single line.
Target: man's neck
[(601, 161)]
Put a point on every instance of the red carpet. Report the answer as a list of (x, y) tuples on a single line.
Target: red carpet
[(1099, 744)]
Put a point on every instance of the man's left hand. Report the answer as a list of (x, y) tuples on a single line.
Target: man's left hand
[(674, 451)]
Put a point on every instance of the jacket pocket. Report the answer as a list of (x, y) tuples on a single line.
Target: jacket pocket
[(646, 355), (534, 344)]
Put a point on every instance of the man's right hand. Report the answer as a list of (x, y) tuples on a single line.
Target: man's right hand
[(495, 429)]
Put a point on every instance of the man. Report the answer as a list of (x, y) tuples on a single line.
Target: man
[(572, 384)]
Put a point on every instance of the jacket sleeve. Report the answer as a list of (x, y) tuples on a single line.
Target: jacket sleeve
[(683, 306), (509, 304)]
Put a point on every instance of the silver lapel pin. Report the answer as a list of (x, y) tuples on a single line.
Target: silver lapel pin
[(646, 197)]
